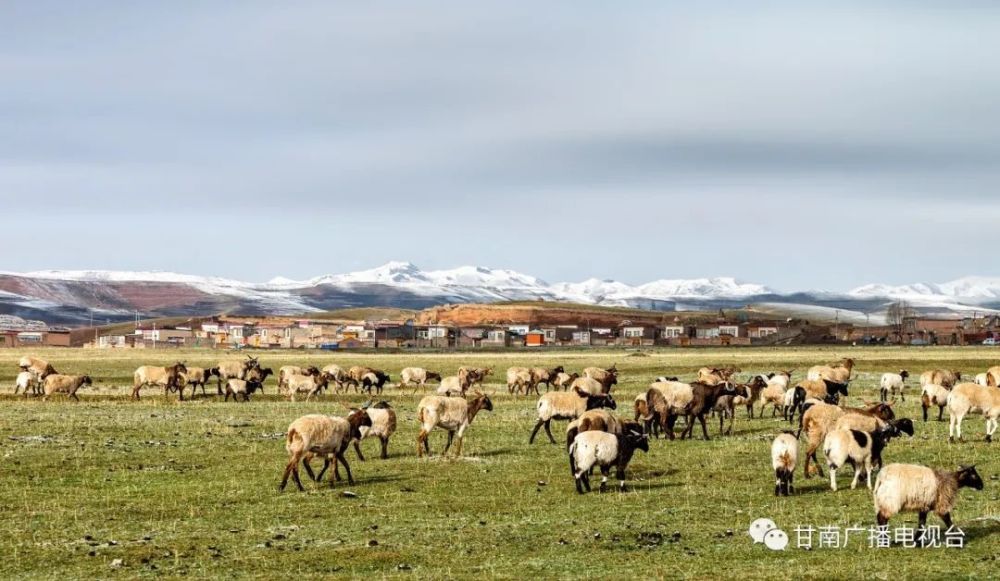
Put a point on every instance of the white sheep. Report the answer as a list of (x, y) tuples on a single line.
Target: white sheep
[(784, 456), (166, 377), (383, 427), (893, 383), (417, 376), (68, 384), (322, 435), (237, 369), (587, 385), (308, 384), (943, 377), (519, 378), (451, 386), (563, 380), (596, 448), (27, 380), (236, 387), (969, 397), (454, 414), (915, 488), (40, 367), (934, 394)]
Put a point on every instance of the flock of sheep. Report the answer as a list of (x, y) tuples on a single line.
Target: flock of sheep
[(596, 437)]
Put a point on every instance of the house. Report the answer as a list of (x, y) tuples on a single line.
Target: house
[(24, 338), (760, 330), (672, 331), (630, 333), (534, 338)]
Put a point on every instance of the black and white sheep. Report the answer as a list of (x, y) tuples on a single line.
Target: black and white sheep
[(596, 448), (784, 455), (915, 488)]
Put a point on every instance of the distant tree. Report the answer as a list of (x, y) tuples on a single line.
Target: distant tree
[(896, 316)]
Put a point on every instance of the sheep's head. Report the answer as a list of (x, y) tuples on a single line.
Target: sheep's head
[(833, 387), (969, 478), (904, 373), (601, 401), (904, 426), (433, 376), (882, 411), (358, 419), (212, 371), (632, 433), (557, 370), (85, 380), (800, 396), (312, 370), (483, 402), (958, 374), (757, 382)]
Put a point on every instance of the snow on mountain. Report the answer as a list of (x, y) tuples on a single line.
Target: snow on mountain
[(722, 287), (967, 289)]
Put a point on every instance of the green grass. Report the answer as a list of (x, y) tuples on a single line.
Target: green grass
[(191, 488)]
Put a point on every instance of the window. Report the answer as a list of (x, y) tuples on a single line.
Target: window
[(673, 332), (633, 331), (729, 330)]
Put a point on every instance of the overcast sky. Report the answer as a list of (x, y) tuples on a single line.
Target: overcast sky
[(793, 145)]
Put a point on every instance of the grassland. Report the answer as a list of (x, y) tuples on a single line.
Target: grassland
[(190, 489)]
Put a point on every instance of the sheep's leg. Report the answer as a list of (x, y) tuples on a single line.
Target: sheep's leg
[(421, 443), (669, 425), (722, 419), (946, 517), (73, 395), (295, 475), (777, 482), (605, 470), (921, 526), (833, 477), (585, 477), (309, 470), (385, 446), (451, 436), (732, 420), (925, 406), (347, 467), (941, 413), (548, 431), (458, 445), (789, 479), (579, 485), (704, 428), (288, 471), (357, 448), (534, 432)]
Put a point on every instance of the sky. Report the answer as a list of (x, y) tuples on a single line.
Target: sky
[(795, 144)]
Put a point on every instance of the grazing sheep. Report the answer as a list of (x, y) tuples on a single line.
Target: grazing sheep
[(285, 371), (68, 384), (725, 406), (993, 376), (839, 372), (417, 376), (969, 397), (168, 377), (587, 385), (856, 448), (28, 380), (40, 367), (606, 377), (546, 376), (596, 419), (893, 383), (703, 400), (566, 405), (595, 448), (451, 386), (471, 376), (666, 401), (650, 419), (563, 380), (235, 369), (934, 394), (195, 376), (819, 389), (518, 378), (754, 389), (784, 455), (716, 375), (322, 435), (915, 488), (774, 394), (340, 377), (383, 427), (236, 387), (942, 377), (376, 379), (454, 414), (308, 384)]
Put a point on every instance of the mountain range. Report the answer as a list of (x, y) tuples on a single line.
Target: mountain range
[(73, 297)]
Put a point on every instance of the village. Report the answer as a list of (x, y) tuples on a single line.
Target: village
[(435, 329)]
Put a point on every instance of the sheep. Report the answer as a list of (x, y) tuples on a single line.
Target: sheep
[(665, 378), (588, 386), (667, 400), (915, 488), (784, 455), (518, 378), (376, 379), (309, 384), (819, 418), (993, 376), (451, 386), (716, 375), (27, 380), (606, 377), (566, 405), (774, 394), (563, 380), (417, 376), (68, 384), (726, 405), (546, 376), (703, 400), (235, 369), (857, 448), (454, 414), (942, 377), (969, 397), (981, 379), (195, 376), (317, 434), (471, 376), (168, 377), (288, 370), (40, 367), (383, 427), (339, 376), (818, 389), (754, 389), (650, 420), (236, 387), (596, 419), (934, 394), (602, 449), (839, 372), (893, 382)]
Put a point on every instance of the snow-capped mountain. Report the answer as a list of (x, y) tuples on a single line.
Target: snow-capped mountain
[(68, 297)]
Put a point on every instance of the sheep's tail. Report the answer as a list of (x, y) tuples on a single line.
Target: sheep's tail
[(572, 460), (786, 460), (292, 434)]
